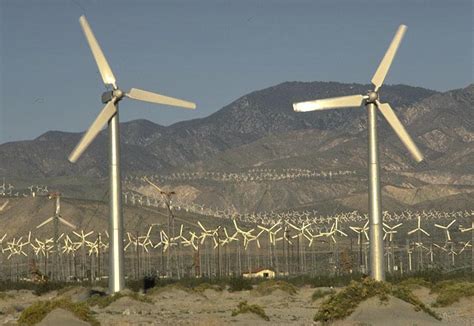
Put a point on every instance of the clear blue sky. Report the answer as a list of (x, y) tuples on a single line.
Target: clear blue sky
[(213, 52)]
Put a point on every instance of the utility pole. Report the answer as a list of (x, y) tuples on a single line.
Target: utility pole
[(167, 196)]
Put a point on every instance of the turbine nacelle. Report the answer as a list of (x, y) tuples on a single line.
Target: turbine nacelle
[(108, 96), (372, 97)]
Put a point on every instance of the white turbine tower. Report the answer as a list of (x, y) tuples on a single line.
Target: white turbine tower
[(371, 101), (109, 115)]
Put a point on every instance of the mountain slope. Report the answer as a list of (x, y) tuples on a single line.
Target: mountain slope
[(150, 147)]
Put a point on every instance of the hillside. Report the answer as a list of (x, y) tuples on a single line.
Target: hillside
[(259, 132), (148, 147)]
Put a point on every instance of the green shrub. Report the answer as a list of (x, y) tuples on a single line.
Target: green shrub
[(405, 294), (167, 288), (239, 284), (37, 311), (206, 286), (244, 307), (342, 304), (318, 294), (432, 276), (104, 301), (450, 292), (267, 287), (415, 283)]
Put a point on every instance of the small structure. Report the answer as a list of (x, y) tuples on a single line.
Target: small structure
[(261, 272)]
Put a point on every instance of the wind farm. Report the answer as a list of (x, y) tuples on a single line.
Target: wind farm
[(275, 208)]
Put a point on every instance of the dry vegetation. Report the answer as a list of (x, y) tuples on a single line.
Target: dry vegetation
[(343, 304), (104, 301), (267, 287), (244, 308), (450, 292), (320, 293), (300, 300), (37, 311)]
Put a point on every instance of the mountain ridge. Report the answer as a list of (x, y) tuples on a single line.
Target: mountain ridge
[(147, 146)]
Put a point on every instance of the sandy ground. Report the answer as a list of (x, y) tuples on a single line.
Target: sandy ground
[(177, 307)]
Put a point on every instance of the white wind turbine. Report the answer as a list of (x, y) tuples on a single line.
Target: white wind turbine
[(371, 101), (246, 235), (418, 228), (430, 253), (361, 231), (82, 244), (465, 246), (446, 228), (56, 219), (471, 229), (189, 242), (389, 232), (452, 253), (1, 242), (109, 115), (310, 236), (335, 230), (209, 233)]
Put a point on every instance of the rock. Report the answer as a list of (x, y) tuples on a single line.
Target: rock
[(18, 308)]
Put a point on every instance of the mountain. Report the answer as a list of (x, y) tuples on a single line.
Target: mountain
[(148, 147), (219, 161), (441, 124)]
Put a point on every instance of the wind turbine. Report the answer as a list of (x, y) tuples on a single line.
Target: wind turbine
[(371, 101), (418, 228), (110, 115), (446, 228)]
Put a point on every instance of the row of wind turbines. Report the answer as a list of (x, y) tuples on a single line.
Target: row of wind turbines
[(288, 251), (228, 250)]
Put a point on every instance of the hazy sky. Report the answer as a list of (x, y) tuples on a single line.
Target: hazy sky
[(213, 52)]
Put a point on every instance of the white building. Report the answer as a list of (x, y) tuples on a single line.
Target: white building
[(261, 272)]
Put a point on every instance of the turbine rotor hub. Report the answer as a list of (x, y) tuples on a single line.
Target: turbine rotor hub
[(372, 97), (118, 93)]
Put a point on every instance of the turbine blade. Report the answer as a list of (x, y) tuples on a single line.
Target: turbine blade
[(329, 103), (104, 68), (104, 116), (72, 226), (452, 222), (45, 222), (425, 232), (400, 130), (386, 62), (154, 185), (138, 94)]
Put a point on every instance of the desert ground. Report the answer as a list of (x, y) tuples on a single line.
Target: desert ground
[(176, 306)]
